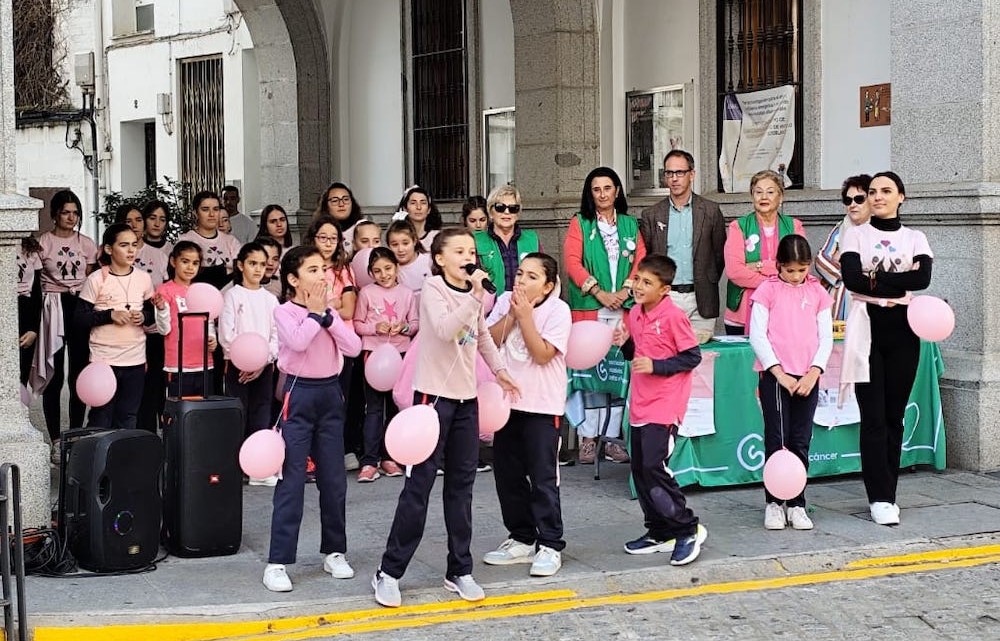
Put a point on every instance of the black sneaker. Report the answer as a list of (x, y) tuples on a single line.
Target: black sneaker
[(686, 550), (646, 544)]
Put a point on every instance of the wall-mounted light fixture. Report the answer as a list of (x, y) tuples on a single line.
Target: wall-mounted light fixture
[(164, 108)]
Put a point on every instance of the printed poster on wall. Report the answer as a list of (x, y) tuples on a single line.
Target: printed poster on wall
[(758, 132)]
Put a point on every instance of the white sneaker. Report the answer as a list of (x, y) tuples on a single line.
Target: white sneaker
[(336, 564), (547, 562), (276, 579), (884, 513), (465, 586), (386, 590), (268, 481), (774, 517), (799, 519), (510, 552), (351, 461)]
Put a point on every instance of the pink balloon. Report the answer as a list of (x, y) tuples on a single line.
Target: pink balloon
[(930, 318), (784, 475), (483, 373), (262, 454), (202, 297), (412, 435), (96, 385), (383, 367), (589, 342), (402, 391), (249, 351), (494, 408), (360, 266)]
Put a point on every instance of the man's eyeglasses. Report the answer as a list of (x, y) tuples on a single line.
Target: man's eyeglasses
[(501, 208), (343, 200), (857, 200), (668, 174)]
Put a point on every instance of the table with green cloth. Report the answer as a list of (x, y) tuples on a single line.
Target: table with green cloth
[(734, 455)]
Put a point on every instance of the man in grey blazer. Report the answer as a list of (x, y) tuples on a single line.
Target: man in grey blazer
[(689, 229)]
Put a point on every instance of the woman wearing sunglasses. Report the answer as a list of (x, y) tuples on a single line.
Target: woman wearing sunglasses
[(500, 246), (854, 194)]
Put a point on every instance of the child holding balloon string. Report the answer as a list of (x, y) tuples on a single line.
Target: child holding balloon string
[(170, 301), (791, 333), (531, 327), (454, 329), (313, 342), (248, 308), (116, 302), (386, 315)]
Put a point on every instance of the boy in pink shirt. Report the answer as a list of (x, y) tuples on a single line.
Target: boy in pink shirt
[(660, 342)]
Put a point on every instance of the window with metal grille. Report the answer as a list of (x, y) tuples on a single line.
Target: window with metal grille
[(201, 127), (760, 47), (438, 97)]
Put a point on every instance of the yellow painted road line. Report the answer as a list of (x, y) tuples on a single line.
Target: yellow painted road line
[(204, 630), (934, 555), (362, 621)]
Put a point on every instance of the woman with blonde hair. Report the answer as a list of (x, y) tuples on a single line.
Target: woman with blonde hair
[(752, 245)]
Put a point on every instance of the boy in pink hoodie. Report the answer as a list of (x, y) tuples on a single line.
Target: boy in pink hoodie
[(657, 337)]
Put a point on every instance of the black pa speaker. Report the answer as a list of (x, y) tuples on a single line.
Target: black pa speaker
[(111, 500), (202, 479)]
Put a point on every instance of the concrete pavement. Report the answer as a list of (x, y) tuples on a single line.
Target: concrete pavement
[(939, 510)]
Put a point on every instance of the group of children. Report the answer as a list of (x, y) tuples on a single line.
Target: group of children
[(317, 323)]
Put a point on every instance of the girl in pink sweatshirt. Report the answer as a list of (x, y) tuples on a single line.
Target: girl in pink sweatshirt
[(451, 312), (386, 313), (313, 341)]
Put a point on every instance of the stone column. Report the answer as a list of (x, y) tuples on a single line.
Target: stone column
[(20, 443), (557, 108), (946, 148)]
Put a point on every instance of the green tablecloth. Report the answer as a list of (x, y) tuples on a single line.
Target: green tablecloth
[(735, 453)]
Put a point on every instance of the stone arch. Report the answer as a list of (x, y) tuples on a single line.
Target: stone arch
[(291, 53)]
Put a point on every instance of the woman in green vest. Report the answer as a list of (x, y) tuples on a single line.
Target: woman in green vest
[(502, 244), (751, 245), (601, 252)]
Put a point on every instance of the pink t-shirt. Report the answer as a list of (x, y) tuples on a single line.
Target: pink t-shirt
[(340, 281), (543, 387), (27, 266), (885, 251), (413, 274), (152, 261), (121, 345), (662, 333), (376, 304), (791, 320), (221, 249), (65, 260), (194, 332)]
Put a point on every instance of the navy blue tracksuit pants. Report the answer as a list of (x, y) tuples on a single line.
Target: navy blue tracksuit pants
[(664, 507), (526, 469), (787, 418), (121, 412), (312, 424), (457, 453)]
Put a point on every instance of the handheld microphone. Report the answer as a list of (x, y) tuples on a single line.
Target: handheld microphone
[(488, 285)]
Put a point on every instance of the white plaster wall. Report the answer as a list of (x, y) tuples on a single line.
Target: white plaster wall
[(855, 50), (659, 47), (135, 74), (370, 92), (496, 55), (138, 72)]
